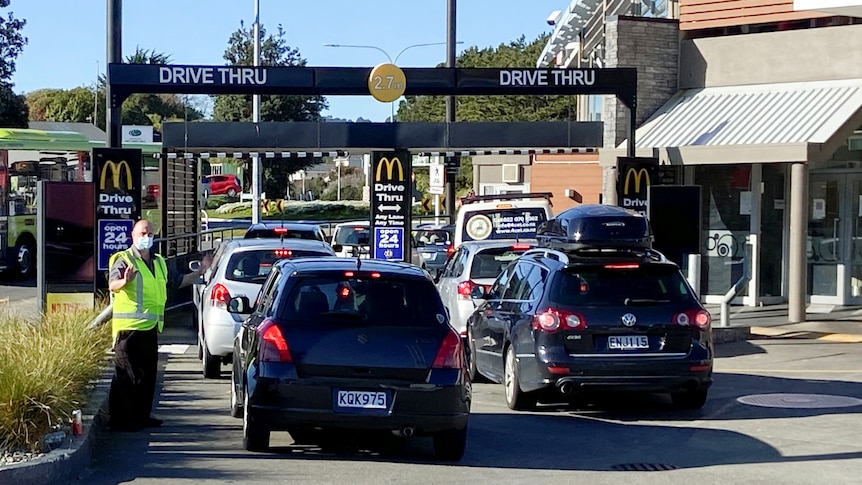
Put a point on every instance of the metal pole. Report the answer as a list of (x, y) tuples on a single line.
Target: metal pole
[(113, 115), (338, 170), (796, 271), (256, 171), (450, 104), (436, 209)]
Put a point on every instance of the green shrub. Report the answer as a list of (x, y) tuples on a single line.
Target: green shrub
[(46, 371)]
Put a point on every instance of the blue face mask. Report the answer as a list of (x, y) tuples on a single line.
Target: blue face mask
[(145, 242)]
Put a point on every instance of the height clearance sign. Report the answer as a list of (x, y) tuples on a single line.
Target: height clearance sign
[(118, 199), (391, 205)]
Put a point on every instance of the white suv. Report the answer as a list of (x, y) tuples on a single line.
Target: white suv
[(352, 239), (499, 217)]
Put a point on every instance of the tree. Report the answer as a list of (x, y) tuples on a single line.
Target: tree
[(13, 109), (11, 43), (274, 51), (77, 105)]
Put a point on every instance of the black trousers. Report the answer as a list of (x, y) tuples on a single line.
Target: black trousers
[(136, 358)]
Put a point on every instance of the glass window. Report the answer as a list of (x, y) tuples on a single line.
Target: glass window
[(358, 236), (253, 266), (516, 282), (490, 262), (616, 287), (338, 298)]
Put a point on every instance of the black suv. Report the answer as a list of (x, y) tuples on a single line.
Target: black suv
[(596, 309)]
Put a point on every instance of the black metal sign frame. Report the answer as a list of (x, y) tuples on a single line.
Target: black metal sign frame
[(391, 206)]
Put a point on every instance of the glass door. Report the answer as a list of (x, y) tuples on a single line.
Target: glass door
[(855, 256), (825, 251)]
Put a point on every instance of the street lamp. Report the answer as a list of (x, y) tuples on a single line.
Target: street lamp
[(391, 61)]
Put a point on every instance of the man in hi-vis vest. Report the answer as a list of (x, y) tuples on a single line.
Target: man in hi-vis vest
[(139, 280)]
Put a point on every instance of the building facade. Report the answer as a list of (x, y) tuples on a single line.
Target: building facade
[(763, 110)]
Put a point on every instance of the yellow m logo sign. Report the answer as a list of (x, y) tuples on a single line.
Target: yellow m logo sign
[(116, 170), (638, 175), (391, 165)]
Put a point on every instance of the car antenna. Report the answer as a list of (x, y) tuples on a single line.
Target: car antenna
[(358, 261)]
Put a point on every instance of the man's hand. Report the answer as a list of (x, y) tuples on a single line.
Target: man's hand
[(206, 262), (129, 274)]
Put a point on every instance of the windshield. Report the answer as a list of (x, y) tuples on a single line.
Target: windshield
[(620, 287), (433, 237), (253, 266), (509, 223), (353, 235), (489, 263), (273, 232), (367, 299)]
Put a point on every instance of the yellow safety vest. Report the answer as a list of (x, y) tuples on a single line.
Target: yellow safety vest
[(140, 305)]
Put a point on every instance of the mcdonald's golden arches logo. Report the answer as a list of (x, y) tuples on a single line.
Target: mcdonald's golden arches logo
[(116, 170), (391, 165), (638, 174)]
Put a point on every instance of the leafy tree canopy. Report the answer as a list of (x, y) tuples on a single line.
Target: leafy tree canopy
[(11, 43), (13, 110), (274, 51)]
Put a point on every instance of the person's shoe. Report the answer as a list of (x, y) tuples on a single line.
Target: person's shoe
[(152, 422)]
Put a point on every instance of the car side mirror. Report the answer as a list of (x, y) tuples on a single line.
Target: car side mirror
[(240, 305), (337, 248), (420, 244), (478, 293), (194, 266)]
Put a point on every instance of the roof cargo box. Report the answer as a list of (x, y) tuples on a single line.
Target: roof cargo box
[(596, 226)]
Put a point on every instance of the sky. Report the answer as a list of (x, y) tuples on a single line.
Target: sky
[(67, 41)]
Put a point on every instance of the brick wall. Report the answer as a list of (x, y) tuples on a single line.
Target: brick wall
[(556, 173)]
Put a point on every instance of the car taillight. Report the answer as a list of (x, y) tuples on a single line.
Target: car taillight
[(450, 250), (280, 230), (273, 347), (220, 296), (283, 253), (520, 246), (451, 354), (465, 288), (696, 317), (622, 266), (552, 320)]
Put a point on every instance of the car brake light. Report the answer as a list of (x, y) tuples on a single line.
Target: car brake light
[(465, 288), (280, 230), (375, 275), (696, 317), (552, 320), (504, 206), (622, 266), (450, 250), (283, 253), (348, 274), (450, 355), (220, 296), (521, 246), (273, 347)]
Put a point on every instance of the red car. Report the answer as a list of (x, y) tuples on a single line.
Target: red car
[(223, 185)]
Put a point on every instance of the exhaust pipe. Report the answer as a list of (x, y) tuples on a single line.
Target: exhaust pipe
[(404, 432), (567, 388)]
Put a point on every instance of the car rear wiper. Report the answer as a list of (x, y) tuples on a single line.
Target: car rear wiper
[(643, 301)]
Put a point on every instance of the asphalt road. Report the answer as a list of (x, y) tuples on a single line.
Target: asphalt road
[(726, 442)]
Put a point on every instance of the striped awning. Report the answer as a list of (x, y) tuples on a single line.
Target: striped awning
[(763, 114)]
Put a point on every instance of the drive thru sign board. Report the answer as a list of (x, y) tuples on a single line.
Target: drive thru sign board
[(391, 205)]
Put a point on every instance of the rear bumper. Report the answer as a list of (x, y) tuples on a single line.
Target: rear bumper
[(283, 405), (220, 329)]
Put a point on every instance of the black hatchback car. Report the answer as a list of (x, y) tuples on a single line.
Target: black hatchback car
[(344, 344), (605, 313)]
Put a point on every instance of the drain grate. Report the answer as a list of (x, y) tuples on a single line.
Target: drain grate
[(642, 467), (799, 401)]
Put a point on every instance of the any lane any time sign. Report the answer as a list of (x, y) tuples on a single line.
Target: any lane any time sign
[(391, 205)]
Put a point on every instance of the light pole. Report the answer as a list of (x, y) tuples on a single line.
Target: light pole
[(339, 162), (391, 60), (255, 117)]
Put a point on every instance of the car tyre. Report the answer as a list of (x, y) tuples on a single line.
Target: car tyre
[(255, 437), (211, 363), (25, 259), (515, 398), (236, 409), (690, 399), (449, 445), (475, 376), (231, 193)]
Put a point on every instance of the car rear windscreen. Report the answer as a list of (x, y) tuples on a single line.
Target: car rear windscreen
[(601, 286), (274, 232), (365, 300), (433, 237), (253, 266), (357, 236), (509, 223), (489, 263)]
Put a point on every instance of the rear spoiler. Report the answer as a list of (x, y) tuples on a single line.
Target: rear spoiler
[(485, 198)]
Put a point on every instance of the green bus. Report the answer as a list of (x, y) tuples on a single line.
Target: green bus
[(26, 157)]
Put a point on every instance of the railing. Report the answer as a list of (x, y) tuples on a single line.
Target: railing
[(736, 288)]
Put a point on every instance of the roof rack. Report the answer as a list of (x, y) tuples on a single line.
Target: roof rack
[(638, 252), (547, 253), (484, 198)]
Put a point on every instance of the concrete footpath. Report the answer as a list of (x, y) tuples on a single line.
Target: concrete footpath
[(67, 463)]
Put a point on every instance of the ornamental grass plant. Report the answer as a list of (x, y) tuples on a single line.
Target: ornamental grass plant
[(48, 367)]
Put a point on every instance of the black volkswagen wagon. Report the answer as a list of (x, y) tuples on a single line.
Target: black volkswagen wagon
[(596, 310), (344, 344)]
